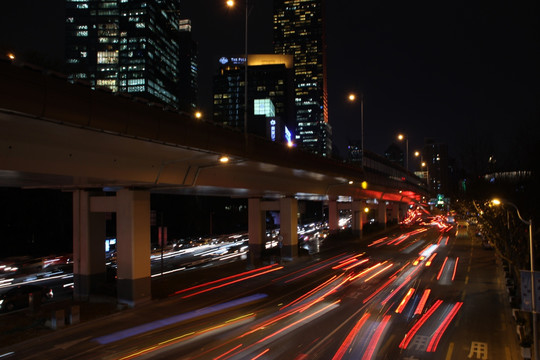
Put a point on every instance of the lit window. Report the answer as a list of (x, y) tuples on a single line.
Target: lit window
[(107, 57)]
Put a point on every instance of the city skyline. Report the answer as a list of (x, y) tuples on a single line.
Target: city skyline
[(452, 74)]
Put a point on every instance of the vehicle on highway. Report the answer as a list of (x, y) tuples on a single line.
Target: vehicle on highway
[(19, 296)]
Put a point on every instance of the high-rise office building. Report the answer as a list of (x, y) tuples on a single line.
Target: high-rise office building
[(188, 69), (269, 78), (436, 157), (299, 31), (129, 46)]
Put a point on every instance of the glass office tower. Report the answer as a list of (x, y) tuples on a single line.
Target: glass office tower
[(299, 31), (129, 46)]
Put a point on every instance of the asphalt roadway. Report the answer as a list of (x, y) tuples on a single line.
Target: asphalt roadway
[(165, 328)]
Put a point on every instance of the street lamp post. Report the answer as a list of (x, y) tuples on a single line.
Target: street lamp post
[(352, 98), (402, 137), (533, 296)]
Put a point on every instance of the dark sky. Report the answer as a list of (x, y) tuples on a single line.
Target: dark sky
[(462, 72)]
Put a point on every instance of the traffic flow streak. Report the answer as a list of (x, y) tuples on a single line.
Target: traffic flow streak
[(369, 302), (381, 285)]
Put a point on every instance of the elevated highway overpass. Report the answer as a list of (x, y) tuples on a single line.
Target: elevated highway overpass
[(112, 151)]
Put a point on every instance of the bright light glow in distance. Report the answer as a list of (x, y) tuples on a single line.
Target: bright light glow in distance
[(364, 185), (352, 97), (496, 202), (198, 115), (230, 3), (224, 159)]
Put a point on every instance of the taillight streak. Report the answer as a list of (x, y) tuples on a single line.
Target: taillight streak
[(409, 336), (432, 346), (405, 301), (222, 279), (422, 302), (231, 282), (349, 339), (376, 337), (442, 268)]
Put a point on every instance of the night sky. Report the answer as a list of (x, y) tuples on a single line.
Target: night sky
[(461, 72)]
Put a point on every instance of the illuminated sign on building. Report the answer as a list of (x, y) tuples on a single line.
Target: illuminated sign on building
[(233, 60), (273, 129), (288, 136)]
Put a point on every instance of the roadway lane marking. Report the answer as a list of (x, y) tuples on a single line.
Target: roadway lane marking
[(450, 350), (419, 342), (507, 352), (479, 349), (466, 279)]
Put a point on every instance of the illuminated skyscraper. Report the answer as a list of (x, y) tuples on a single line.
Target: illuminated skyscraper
[(188, 70), (129, 46), (270, 78), (299, 31)]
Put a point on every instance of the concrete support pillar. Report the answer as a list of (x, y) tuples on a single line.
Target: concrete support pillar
[(382, 213), (133, 246), (256, 229), (394, 215), (395, 212), (88, 246), (402, 211), (333, 215), (288, 212), (358, 216)]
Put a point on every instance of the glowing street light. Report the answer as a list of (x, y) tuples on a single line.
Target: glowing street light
[(498, 202), (198, 114), (352, 98)]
